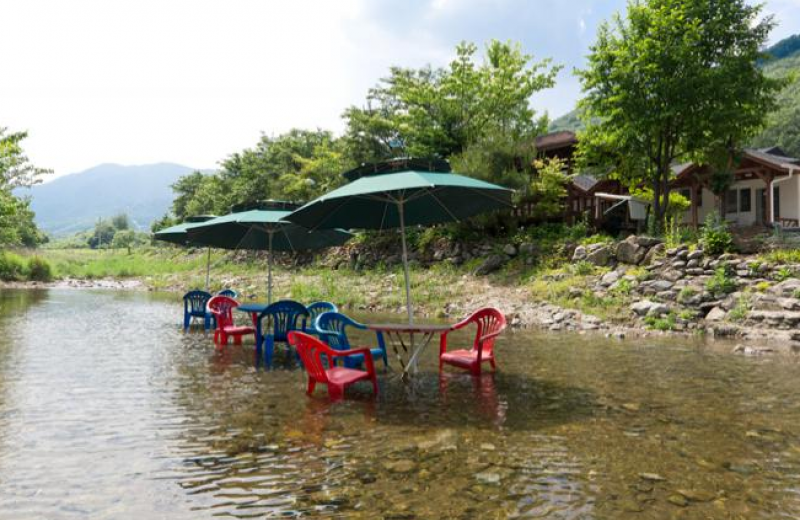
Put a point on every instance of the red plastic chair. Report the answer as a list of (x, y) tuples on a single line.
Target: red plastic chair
[(222, 309), (490, 323), (311, 352)]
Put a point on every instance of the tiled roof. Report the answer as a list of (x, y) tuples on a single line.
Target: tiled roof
[(553, 140), (773, 155)]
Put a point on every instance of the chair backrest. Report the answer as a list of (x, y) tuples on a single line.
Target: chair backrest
[(230, 293), (333, 329), (285, 316), (222, 308), (317, 308), (196, 301), (311, 351), (489, 321)]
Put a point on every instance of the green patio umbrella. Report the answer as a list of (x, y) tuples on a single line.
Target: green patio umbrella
[(380, 198), (264, 228), (178, 235)]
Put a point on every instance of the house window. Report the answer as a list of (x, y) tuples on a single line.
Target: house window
[(731, 201), (686, 193), (744, 200)]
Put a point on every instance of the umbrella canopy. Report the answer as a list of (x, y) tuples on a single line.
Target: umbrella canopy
[(179, 235), (264, 229), (380, 200), (254, 228)]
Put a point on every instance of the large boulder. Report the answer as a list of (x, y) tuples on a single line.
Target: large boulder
[(716, 314), (630, 252), (599, 256), (649, 308), (491, 264), (579, 254), (787, 287)]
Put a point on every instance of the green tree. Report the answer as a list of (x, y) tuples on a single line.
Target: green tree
[(185, 190), (121, 222), (674, 80), (124, 238), (549, 187), (102, 235), (16, 218), (442, 112)]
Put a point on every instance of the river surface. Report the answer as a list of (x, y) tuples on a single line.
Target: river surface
[(109, 411)]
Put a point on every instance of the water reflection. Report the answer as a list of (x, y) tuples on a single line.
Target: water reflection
[(108, 411)]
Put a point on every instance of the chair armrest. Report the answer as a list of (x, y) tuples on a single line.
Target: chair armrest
[(365, 351)]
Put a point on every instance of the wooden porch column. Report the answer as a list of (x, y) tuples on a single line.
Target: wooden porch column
[(697, 195), (769, 210)]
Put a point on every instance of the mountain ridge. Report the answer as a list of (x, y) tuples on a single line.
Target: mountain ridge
[(74, 202)]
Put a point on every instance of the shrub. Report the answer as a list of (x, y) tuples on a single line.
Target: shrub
[(623, 287), (784, 273), (582, 268), (39, 269), (12, 267), (716, 238), (665, 323), (739, 312), (721, 282)]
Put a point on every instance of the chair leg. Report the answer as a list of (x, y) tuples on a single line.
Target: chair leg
[(475, 369), (494, 366), (187, 321), (269, 345), (237, 339), (311, 386), (374, 384), (335, 392)]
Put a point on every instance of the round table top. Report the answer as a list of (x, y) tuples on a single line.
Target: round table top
[(409, 327)]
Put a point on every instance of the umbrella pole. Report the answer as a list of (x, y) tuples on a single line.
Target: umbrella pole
[(208, 267), (405, 262), (269, 276)]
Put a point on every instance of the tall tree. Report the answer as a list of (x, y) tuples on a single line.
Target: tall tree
[(674, 80), (16, 218), (443, 111)]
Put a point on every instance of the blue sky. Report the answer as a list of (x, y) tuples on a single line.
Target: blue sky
[(191, 81)]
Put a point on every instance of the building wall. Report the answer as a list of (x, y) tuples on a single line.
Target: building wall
[(789, 193)]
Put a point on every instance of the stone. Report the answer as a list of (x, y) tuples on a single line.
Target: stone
[(641, 308), (654, 253), (695, 255), (610, 278), (662, 285), (510, 250), (652, 477), (400, 466), (490, 265), (488, 478), (527, 249), (600, 257), (786, 287), (678, 500), (629, 252), (751, 350), (672, 275), (790, 304), (716, 314), (678, 264), (693, 264), (647, 241), (579, 254)]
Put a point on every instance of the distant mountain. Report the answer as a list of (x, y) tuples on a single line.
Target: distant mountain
[(74, 202), (783, 126)]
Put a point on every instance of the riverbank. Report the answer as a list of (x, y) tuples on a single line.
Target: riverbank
[(634, 288)]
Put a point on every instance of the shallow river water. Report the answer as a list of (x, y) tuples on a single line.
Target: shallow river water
[(108, 411)]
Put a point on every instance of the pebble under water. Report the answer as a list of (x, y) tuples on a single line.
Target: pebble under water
[(109, 411)]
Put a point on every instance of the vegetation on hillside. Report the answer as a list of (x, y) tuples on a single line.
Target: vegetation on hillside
[(783, 125)]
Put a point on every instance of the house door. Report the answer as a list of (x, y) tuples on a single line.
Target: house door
[(761, 206)]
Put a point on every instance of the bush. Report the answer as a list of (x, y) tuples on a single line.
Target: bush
[(39, 269), (582, 268), (12, 267), (721, 283), (716, 238)]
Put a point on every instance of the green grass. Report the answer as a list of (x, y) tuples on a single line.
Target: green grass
[(781, 256)]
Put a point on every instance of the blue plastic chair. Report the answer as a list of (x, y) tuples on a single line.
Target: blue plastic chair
[(230, 293), (314, 310), (332, 329), (194, 306), (282, 318)]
